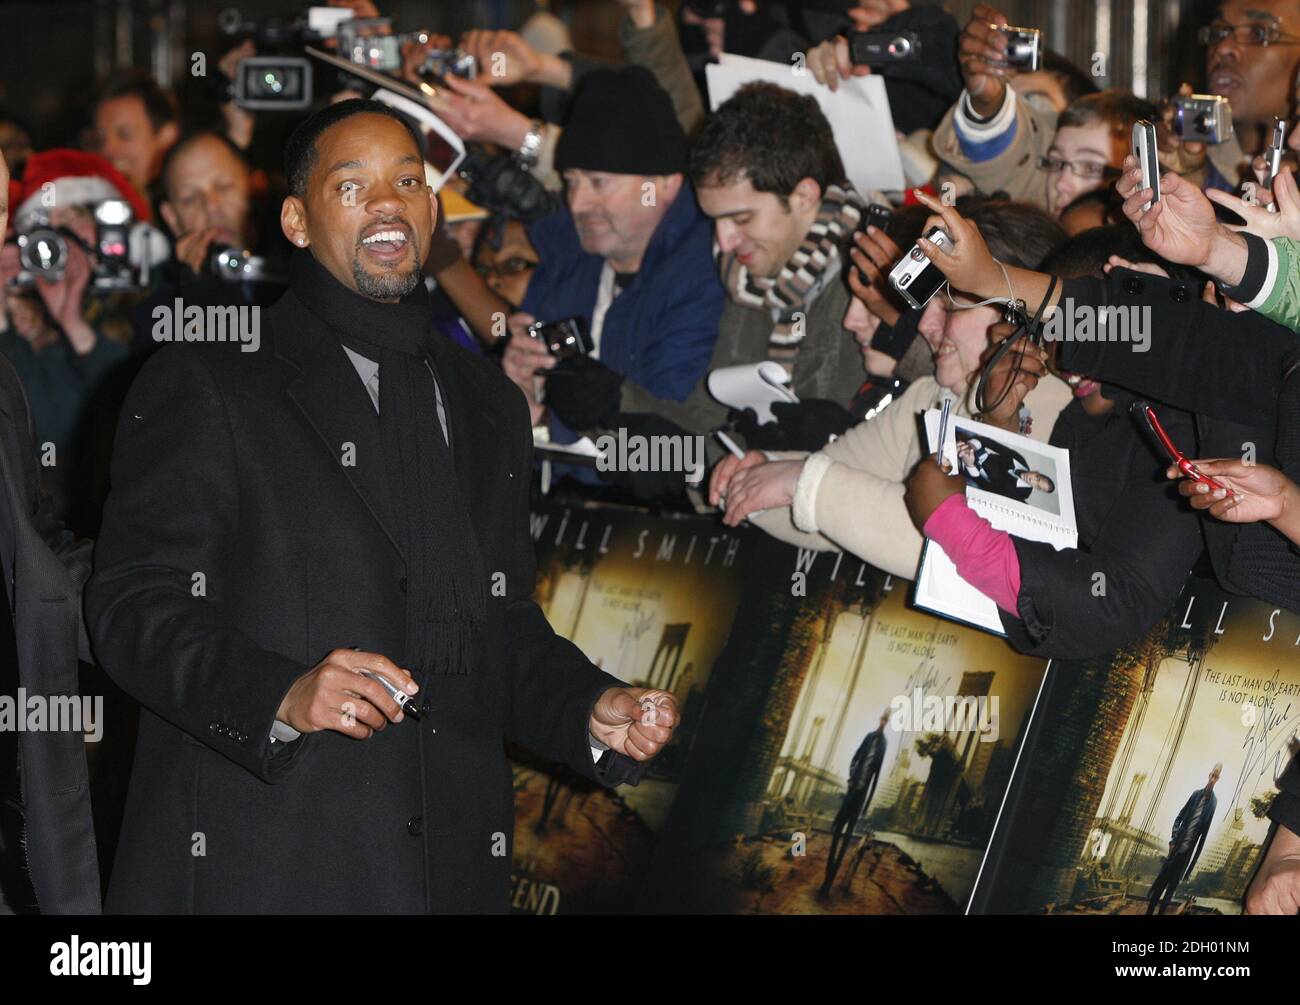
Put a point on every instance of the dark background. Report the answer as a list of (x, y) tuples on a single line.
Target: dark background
[(52, 51)]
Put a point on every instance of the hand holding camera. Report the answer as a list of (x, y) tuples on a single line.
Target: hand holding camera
[(965, 260), (505, 57), (990, 52), (873, 255), (524, 355), (1178, 222), (63, 299)]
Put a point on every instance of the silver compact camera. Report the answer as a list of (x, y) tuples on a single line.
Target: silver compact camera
[(915, 277), (1205, 118), (1024, 47)]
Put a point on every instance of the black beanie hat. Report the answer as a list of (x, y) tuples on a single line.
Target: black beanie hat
[(621, 121)]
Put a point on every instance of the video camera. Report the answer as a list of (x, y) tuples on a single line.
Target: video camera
[(280, 78)]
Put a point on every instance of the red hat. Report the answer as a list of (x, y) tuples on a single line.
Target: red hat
[(77, 178)]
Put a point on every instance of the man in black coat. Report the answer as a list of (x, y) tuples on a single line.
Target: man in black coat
[(47, 839), (864, 772), (1001, 469), (350, 498), (1190, 829)]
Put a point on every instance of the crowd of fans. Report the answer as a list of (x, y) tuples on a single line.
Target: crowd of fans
[(685, 240)]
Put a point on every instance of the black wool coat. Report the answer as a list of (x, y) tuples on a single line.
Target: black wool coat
[(47, 838), (238, 549)]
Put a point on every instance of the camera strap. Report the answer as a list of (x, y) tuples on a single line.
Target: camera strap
[(1026, 328)]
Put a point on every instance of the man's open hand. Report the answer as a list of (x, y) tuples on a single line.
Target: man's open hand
[(635, 721)]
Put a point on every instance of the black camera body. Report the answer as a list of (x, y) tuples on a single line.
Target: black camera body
[(44, 249), (876, 215), (884, 48), (281, 77), (273, 83), (564, 338)]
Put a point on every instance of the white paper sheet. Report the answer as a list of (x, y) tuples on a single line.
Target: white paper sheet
[(858, 113)]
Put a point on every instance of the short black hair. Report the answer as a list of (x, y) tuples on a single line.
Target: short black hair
[(159, 105), (1016, 233), (1105, 199), (300, 150), (770, 135), (1086, 253), (185, 141), (1074, 82)]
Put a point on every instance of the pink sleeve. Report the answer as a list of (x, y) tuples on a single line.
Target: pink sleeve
[(985, 558)]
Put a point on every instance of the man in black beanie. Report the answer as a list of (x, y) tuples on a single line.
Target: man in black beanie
[(315, 575), (630, 257)]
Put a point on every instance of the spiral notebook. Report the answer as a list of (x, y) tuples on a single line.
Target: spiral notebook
[(1019, 485)]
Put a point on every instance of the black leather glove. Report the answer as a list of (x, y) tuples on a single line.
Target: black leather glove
[(583, 392), (650, 486), (810, 423), (769, 436)]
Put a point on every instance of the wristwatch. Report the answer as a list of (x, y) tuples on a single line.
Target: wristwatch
[(531, 145)]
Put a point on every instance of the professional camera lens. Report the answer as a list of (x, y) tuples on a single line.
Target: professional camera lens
[(272, 83), (43, 252), (900, 47)]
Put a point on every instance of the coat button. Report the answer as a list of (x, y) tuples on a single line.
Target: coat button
[(402, 585), (1133, 285), (1178, 293), (213, 727), (415, 826)]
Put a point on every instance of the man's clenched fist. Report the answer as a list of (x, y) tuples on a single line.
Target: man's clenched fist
[(635, 721)]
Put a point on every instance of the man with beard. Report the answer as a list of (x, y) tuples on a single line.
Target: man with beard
[(308, 545)]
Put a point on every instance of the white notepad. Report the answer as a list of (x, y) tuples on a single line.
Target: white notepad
[(996, 490)]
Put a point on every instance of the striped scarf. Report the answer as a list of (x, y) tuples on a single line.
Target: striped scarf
[(816, 262)]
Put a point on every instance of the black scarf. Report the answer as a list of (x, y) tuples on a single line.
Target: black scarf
[(446, 595)]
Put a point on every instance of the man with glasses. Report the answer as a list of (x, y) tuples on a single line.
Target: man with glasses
[(1252, 57)]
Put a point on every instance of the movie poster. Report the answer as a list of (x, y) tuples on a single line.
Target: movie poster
[(851, 753), (651, 600), (1148, 775)]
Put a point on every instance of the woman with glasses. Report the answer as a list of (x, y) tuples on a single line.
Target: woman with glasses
[(849, 495), (1135, 546)]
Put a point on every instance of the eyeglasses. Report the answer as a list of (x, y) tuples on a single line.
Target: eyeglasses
[(1088, 170), (514, 266), (1255, 33)]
